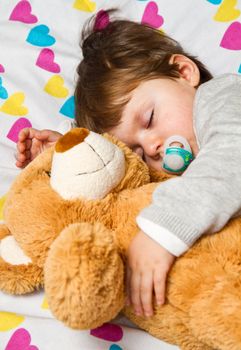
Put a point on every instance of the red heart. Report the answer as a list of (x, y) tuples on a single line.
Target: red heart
[(151, 16), (22, 13), (20, 340)]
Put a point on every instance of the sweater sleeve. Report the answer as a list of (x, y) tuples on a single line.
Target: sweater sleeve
[(208, 193)]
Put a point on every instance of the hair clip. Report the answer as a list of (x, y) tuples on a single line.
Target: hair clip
[(102, 20)]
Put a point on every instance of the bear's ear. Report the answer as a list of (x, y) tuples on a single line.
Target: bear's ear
[(71, 139)]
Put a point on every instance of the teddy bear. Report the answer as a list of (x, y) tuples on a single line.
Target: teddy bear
[(69, 220)]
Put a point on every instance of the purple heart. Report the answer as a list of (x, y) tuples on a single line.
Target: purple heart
[(232, 37), (102, 20), (2, 70), (45, 61), (20, 340), (22, 13), (108, 331), (151, 16), (20, 124)]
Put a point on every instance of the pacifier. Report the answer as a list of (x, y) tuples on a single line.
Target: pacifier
[(176, 158)]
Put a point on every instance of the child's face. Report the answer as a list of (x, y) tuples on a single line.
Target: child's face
[(157, 109)]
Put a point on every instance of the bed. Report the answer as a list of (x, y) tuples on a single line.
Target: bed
[(39, 43)]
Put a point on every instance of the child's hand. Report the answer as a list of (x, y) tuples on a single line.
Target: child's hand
[(148, 266), (32, 142)]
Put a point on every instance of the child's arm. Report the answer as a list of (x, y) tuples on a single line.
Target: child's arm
[(147, 267), (32, 142), (208, 194)]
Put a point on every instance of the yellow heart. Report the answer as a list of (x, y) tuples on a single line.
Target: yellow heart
[(13, 105), (227, 12), (55, 87), (9, 321), (45, 304), (85, 5), (2, 200)]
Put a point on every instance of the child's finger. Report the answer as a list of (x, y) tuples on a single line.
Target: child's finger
[(20, 147), (21, 160), (18, 164), (160, 286), (127, 284), (135, 284), (27, 133), (22, 157), (23, 145), (23, 134), (47, 135), (21, 165), (43, 134), (146, 293), (28, 144)]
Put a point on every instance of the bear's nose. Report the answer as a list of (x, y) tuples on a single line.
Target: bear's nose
[(70, 139)]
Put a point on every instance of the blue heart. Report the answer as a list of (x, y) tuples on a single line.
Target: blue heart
[(215, 2), (115, 347), (39, 36), (68, 108), (3, 91)]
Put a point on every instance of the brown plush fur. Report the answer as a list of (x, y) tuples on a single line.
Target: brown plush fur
[(81, 245)]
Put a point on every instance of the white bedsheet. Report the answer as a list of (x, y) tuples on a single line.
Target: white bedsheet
[(27, 317)]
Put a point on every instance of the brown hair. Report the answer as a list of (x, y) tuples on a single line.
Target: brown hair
[(116, 60)]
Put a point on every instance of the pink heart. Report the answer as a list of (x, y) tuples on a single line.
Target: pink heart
[(22, 13), (108, 331), (2, 70), (232, 37), (45, 61), (20, 124), (151, 17), (20, 340), (102, 20)]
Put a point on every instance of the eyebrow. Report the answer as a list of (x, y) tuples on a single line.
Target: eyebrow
[(142, 105)]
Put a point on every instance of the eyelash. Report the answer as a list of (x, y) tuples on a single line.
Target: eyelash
[(150, 119)]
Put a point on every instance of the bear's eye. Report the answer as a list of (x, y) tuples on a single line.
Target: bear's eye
[(48, 173)]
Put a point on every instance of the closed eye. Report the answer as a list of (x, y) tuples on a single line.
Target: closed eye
[(150, 119)]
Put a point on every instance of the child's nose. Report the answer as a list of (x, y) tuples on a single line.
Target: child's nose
[(153, 149)]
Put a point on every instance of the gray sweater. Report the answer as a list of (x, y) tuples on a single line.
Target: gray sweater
[(208, 193)]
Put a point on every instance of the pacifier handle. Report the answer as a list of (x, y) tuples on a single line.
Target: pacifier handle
[(176, 159), (179, 139)]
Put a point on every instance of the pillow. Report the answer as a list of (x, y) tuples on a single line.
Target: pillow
[(40, 51)]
